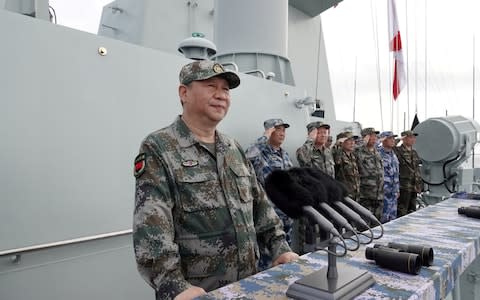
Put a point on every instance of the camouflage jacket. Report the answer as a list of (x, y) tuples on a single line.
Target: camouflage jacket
[(391, 184), (370, 167), (310, 156), (410, 178), (266, 159), (346, 171), (199, 219)]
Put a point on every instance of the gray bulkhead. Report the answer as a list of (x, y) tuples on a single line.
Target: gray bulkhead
[(71, 122)]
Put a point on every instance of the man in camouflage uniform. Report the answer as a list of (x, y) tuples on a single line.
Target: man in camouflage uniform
[(314, 153), (200, 216), (391, 185), (267, 155), (410, 178), (370, 167), (346, 169)]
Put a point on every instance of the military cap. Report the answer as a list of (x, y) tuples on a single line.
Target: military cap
[(317, 124), (205, 69), (274, 123), (369, 130), (346, 135), (408, 133), (387, 134)]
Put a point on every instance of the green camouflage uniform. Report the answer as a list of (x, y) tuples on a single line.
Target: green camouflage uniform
[(310, 156), (410, 179), (200, 218), (346, 171), (370, 167)]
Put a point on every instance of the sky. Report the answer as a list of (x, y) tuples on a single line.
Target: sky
[(440, 47)]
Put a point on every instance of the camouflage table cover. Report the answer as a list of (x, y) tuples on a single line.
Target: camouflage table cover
[(455, 239)]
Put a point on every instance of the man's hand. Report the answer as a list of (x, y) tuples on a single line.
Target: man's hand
[(313, 134), (285, 258), (268, 132), (366, 139), (190, 293)]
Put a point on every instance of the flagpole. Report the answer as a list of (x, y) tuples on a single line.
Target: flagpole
[(473, 95), (375, 31), (407, 75), (416, 62), (355, 89), (426, 88)]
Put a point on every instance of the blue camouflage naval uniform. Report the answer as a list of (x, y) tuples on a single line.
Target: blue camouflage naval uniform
[(265, 159), (200, 218), (391, 184)]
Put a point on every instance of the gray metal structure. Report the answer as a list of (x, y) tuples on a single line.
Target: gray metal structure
[(74, 109), (444, 144)]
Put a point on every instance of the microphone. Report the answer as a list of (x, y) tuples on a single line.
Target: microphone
[(320, 195), (336, 192), (294, 200)]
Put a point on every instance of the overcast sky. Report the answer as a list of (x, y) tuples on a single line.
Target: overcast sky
[(356, 32)]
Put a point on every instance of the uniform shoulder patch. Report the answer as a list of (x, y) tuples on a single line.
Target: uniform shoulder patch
[(139, 165)]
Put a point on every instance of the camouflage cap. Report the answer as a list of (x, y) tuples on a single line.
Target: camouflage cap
[(387, 134), (408, 133), (346, 135), (205, 69), (274, 123), (316, 124), (369, 130)]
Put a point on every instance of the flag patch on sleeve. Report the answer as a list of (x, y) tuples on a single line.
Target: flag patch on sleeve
[(139, 165)]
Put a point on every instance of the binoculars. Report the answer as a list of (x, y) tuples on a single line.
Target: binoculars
[(470, 211), (401, 257)]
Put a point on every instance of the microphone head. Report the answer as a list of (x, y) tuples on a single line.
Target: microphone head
[(335, 189), (316, 188), (289, 196)]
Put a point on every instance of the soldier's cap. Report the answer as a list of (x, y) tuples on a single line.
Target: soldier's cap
[(316, 124), (274, 123), (408, 133), (387, 134), (343, 136), (205, 69), (369, 130)]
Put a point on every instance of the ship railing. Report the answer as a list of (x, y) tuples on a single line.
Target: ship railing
[(18, 252), (262, 74)]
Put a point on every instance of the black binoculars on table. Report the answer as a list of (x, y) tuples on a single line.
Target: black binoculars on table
[(470, 211), (401, 257)]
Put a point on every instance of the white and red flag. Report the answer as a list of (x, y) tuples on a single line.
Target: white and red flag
[(399, 77)]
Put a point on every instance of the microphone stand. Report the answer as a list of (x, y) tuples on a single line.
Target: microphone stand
[(342, 281)]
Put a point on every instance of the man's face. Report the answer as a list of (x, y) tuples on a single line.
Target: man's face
[(409, 140), (372, 140), (207, 100), (389, 142), (322, 136), (348, 145), (278, 136)]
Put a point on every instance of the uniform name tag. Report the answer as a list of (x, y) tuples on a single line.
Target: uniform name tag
[(189, 163)]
